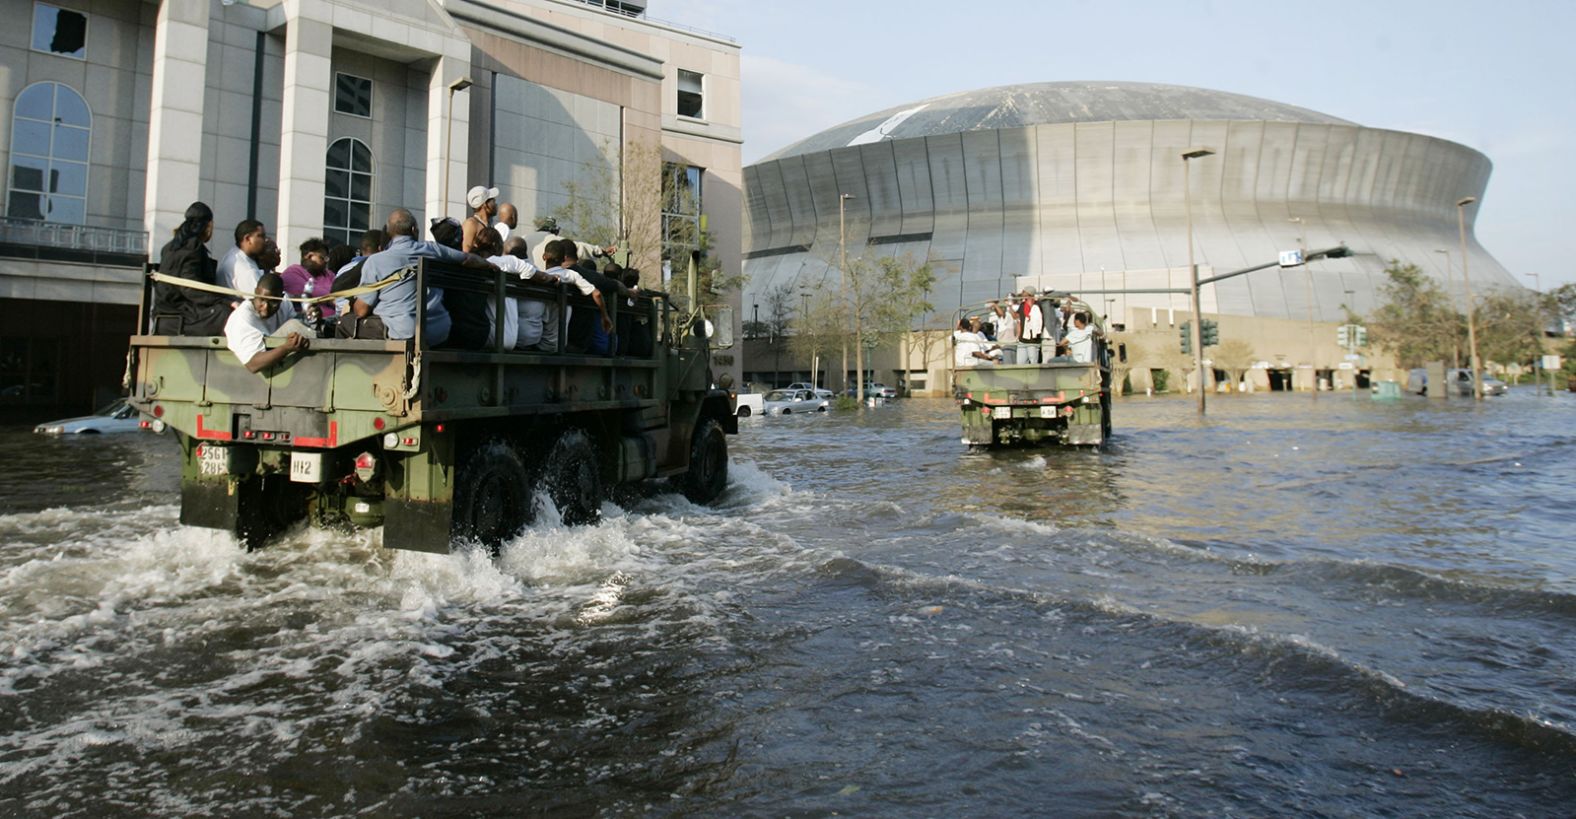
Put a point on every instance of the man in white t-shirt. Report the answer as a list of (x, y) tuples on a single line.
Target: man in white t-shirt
[(1006, 330), (238, 266), (260, 317), (1080, 339), (969, 347)]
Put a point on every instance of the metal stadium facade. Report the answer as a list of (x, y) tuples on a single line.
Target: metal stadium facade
[(1079, 187)]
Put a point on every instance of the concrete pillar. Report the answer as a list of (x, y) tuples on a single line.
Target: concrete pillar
[(303, 122), (180, 66), (447, 69)]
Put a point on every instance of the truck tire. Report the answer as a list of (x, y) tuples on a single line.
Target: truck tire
[(744, 412), (708, 470), (492, 501), (573, 478)]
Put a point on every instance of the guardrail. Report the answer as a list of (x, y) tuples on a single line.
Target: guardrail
[(89, 238)]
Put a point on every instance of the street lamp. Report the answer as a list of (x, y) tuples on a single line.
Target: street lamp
[(448, 142), (1455, 344), (842, 282), (1313, 337), (1466, 283), (1198, 318), (1537, 336)]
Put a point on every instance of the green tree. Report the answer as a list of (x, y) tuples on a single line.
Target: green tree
[(818, 327), (1509, 327), (1417, 321), (907, 286)]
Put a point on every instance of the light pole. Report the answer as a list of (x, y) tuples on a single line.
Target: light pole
[(804, 326), (757, 322), (1192, 269), (1466, 283), (842, 280), (1313, 338), (1537, 336), (1455, 345), (448, 142)]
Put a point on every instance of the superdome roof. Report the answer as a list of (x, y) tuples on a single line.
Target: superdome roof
[(1018, 106)]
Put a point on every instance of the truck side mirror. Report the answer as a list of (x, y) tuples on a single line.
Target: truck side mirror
[(1121, 353), (720, 327)]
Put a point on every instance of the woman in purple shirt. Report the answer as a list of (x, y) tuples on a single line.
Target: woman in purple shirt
[(313, 270)]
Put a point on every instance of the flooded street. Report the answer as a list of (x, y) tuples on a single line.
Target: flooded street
[(1333, 607)]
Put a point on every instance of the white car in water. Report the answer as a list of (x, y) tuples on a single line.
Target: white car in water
[(790, 402), (746, 404), (119, 416), (819, 392)]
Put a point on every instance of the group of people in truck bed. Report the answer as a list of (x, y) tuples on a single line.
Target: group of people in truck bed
[(487, 241), (1020, 328)]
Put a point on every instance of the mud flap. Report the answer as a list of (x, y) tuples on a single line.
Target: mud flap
[(417, 525), (210, 504)]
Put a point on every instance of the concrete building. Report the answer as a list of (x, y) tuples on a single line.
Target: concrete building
[(1079, 187), (318, 117)]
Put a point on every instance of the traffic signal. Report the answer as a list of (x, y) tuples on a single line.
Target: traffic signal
[(1362, 336), (1343, 335), (1187, 337), (1210, 332)]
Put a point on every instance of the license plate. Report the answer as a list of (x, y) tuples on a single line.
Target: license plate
[(1001, 412), (213, 460), (306, 467), (1047, 412)]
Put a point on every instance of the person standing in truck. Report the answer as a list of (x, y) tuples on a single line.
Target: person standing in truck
[(1031, 330), (238, 268)]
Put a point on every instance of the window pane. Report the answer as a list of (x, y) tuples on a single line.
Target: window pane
[(334, 214), (27, 173), (36, 102), (67, 209), (71, 143), (690, 81), (30, 137), (361, 157), (353, 95), (339, 154), (60, 31), (361, 187), (336, 184), (70, 178), (70, 107), (360, 216), (25, 205), (689, 104)]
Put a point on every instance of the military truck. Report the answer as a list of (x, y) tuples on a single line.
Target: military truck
[(439, 447), (1058, 401)]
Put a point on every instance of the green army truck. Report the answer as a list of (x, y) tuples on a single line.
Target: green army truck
[(1057, 401), (439, 447)]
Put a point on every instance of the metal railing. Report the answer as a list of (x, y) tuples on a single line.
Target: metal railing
[(35, 233)]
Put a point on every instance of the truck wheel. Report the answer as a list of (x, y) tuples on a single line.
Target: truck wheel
[(573, 479), (708, 470), (744, 412), (491, 497)]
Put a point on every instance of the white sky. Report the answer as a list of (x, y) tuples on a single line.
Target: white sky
[(1497, 76)]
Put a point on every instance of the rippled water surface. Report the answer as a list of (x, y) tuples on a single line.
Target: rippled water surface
[(1332, 607)]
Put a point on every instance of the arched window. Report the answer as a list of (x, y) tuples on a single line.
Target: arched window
[(50, 132), (347, 192)]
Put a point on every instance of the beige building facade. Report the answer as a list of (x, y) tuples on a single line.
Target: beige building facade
[(318, 117)]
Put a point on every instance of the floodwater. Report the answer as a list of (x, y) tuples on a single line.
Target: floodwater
[(1335, 607)]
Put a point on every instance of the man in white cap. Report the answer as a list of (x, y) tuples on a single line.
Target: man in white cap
[(484, 203)]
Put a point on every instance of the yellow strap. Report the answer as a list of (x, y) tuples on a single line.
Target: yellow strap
[(230, 291)]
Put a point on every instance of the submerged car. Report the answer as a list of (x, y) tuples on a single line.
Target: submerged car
[(119, 416), (877, 390), (819, 392), (789, 402)]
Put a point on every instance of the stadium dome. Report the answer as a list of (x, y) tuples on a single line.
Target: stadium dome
[(1019, 106), (1078, 186)]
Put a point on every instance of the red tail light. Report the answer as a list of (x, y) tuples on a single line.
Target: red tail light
[(366, 466)]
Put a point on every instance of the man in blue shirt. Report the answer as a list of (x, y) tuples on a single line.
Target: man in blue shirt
[(395, 305)]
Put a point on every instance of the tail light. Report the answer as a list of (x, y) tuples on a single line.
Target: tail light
[(366, 466)]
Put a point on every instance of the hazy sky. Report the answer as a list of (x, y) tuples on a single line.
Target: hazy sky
[(1498, 76)]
